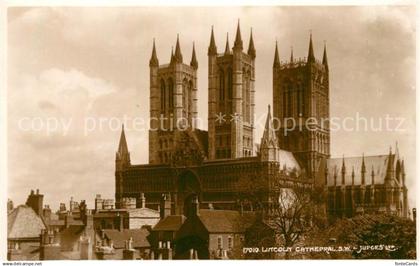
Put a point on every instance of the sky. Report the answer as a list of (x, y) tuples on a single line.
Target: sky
[(90, 66)]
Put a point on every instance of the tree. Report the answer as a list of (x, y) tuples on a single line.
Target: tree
[(290, 217), (367, 230), (384, 230), (287, 218)]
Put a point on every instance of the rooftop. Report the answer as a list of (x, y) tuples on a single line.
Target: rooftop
[(170, 223), (23, 222), (139, 237)]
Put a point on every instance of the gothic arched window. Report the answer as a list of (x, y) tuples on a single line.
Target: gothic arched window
[(284, 101), (190, 99), (289, 101), (300, 100), (185, 95), (229, 84), (170, 94), (246, 96), (244, 89), (221, 86), (162, 96)]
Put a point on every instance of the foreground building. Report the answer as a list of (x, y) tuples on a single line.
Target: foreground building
[(24, 228), (105, 216), (223, 165)]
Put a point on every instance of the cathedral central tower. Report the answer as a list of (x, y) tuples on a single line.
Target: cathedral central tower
[(301, 92)]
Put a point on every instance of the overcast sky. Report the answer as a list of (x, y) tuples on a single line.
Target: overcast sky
[(74, 63)]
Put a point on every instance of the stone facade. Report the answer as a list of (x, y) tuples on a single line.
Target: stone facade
[(221, 165), (301, 92), (366, 184)]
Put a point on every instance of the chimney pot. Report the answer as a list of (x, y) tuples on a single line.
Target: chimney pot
[(195, 205), (143, 201)]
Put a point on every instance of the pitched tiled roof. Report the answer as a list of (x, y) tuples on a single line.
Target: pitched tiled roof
[(202, 135), (143, 213), (55, 222), (23, 222), (70, 235), (379, 164), (119, 237), (170, 223), (225, 221)]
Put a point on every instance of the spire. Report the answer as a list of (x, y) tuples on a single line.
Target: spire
[(178, 54), (363, 170), (397, 152), (335, 175), (373, 175), (194, 62), (390, 166), (251, 47), (343, 167), (122, 147), (324, 57), (269, 145), (238, 40), (269, 135), (291, 54), (363, 164), (276, 62), (311, 57), (402, 167), (154, 62), (172, 55), (212, 48), (227, 48), (402, 173)]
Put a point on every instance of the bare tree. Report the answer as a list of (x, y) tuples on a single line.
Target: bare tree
[(290, 216)]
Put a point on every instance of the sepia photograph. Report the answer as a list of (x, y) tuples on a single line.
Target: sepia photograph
[(188, 132)]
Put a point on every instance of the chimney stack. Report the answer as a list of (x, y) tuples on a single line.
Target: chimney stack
[(35, 201), (46, 212), (128, 251), (68, 220), (85, 248), (49, 245), (165, 206), (195, 206), (99, 202), (143, 201)]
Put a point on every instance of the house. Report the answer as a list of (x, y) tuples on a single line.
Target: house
[(212, 234), (120, 243), (24, 227), (129, 216), (261, 233), (163, 234)]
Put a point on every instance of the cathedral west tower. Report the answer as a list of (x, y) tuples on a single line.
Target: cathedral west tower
[(173, 103), (231, 99)]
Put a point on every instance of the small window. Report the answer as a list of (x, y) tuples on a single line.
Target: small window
[(230, 242), (219, 243)]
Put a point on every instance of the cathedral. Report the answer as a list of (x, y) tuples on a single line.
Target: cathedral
[(224, 166)]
